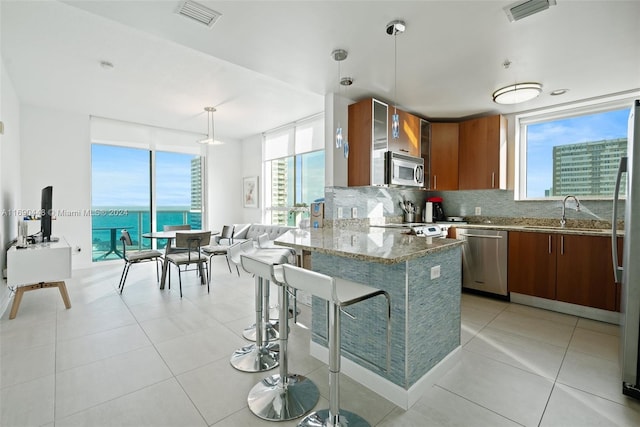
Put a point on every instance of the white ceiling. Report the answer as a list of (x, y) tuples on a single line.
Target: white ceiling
[(267, 63)]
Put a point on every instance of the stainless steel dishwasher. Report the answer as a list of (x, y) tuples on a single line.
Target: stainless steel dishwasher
[(484, 260)]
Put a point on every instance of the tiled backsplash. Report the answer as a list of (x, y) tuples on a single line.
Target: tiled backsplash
[(380, 204)]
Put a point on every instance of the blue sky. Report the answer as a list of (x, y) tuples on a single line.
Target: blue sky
[(541, 138), (120, 177)]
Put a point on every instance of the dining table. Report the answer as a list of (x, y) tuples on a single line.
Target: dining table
[(169, 235)]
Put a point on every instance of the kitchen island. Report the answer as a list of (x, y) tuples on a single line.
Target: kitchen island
[(422, 275)]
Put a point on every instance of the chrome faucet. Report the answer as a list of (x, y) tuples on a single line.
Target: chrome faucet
[(563, 220)]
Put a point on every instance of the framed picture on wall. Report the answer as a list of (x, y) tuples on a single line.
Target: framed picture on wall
[(250, 191)]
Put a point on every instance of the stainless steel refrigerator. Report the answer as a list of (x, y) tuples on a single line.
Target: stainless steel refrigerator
[(629, 274)]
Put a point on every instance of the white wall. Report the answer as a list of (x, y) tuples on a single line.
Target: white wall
[(224, 166), (252, 166), (9, 170), (336, 110), (55, 150)]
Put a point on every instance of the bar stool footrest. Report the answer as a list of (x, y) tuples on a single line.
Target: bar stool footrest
[(272, 400), (273, 332), (321, 419), (252, 358)]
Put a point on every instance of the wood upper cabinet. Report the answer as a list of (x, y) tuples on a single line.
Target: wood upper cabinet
[(370, 137), (584, 273), (532, 264), (408, 141), (571, 268), (444, 156), (368, 142), (482, 156)]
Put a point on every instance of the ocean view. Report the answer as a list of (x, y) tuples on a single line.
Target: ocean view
[(106, 223)]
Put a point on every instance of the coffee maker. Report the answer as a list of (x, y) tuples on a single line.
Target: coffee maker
[(437, 211)]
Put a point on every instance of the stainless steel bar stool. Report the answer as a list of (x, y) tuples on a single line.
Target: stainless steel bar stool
[(283, 396), (270, 332), (339, 293), (262, 355)]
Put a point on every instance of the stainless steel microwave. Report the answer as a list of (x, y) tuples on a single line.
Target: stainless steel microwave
[(404, 170)]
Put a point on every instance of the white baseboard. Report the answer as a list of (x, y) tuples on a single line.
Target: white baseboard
[(404, 398), (567, 308)]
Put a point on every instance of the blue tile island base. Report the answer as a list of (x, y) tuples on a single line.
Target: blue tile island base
[(425, 314)]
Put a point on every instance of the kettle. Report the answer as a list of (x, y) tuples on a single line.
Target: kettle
[(438, 210)]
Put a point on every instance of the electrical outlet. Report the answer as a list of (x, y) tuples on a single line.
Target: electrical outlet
[(354, 212), (478, 210), (435, 272), (339, 213)]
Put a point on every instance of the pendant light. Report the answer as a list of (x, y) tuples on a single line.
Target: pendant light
[(339, 55), (393, 29), (210, 140)]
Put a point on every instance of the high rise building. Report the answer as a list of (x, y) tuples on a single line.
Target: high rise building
[(195, 213), (587, 168)]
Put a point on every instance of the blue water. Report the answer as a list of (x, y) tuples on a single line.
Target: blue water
[(136, 223)]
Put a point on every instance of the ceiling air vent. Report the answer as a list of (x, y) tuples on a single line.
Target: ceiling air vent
[(199, 13), (522, 9)]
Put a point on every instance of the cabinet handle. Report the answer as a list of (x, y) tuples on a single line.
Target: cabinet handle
[(435, 182), (493, 180), (403, 150), (550, 245), (561, 245)]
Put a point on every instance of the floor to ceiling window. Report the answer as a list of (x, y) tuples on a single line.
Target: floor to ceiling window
[(294, 170), (141, 187)]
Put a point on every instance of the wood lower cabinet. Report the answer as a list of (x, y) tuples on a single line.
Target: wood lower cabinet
[(571, 268), (584, 274), (532, 264), (444, 156)]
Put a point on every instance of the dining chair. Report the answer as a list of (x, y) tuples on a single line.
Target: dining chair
[(169, 247), (135, 257), (220, 246), (189, 246)]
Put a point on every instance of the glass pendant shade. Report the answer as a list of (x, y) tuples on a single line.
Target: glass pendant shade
[(395, 126), (339, 137)]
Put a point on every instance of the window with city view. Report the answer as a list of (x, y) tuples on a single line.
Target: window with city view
[(572, 152), (121, 186), (294, 170)]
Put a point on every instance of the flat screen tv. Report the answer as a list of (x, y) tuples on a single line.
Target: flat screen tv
[(45, 214)]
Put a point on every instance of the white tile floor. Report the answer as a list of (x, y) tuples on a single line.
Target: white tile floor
[(149, 358)]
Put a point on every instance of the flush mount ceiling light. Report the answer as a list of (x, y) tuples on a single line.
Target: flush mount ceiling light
[(517, 93), (393, 29), (209, 140), (522, 9)]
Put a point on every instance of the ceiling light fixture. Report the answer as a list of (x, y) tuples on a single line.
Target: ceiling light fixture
[(209, 140), (339, 55), (517, 93), (393, 29)]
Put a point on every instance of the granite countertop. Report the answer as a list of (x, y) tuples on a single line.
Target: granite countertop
[(553, 229), (382, 245)]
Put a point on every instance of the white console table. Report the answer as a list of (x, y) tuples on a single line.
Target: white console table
[(39, 266)]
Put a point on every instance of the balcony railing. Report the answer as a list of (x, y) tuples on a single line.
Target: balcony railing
[(105, 232)]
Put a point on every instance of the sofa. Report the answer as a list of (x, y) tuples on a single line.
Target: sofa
[(254, 238), (253, 231)]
